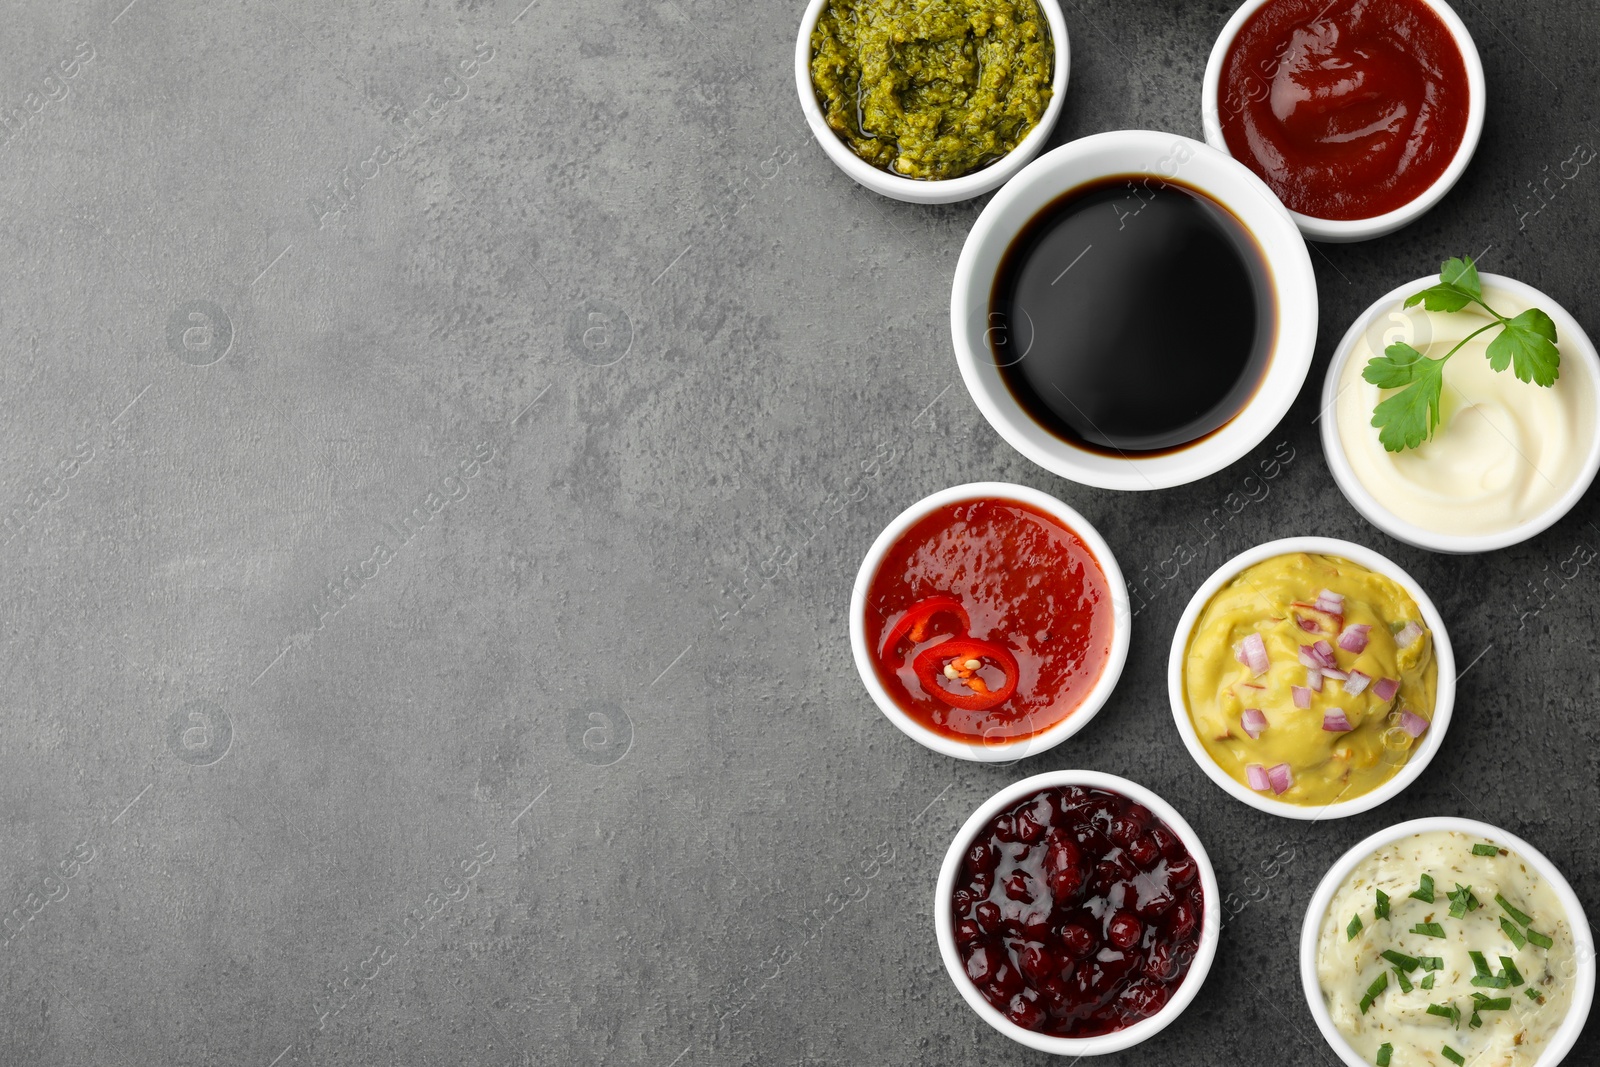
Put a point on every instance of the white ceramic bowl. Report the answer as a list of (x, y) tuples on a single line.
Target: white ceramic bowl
[(1160, 155), (1342, 231), (948, 190), (1144, 1029), (983, 751), (1420, 755), (1576, 348), (1566, 1036)]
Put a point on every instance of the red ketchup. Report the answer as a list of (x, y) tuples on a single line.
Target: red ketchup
[(1347, 110), (1078, 912), (999, 585)]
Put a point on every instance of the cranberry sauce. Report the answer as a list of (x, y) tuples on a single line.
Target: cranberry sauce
[(1077, 912)]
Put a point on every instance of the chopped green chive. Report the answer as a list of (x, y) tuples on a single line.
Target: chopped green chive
[(1497, 1004), (1431, 963), (1485, 850), (1446, 1011), (1405, 983), (1462, 901), (1453, 1056), (1381, 909), (1512, 932), (1353, 929), (1424, 891), (1385, 1050), (1513, 912), (1479, 964), (1428, 930), (1401, 960), (1427, 980), (1533, 994), (1535, 937), (1491, 981), (1475, 1021), (1379, 984), (1509, 969)]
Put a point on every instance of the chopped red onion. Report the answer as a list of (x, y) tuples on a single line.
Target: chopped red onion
[(1314, 679), (1385, 688), (1334, 721), (1302, 696), (1253, 722), (1280, 777), (1354, 638), (1318, 655), (1356, 683), (1257, 775), (1413, 724), (1331, 602), (1408, 635), (1254, 651), (1308, 625), (1338, 676)]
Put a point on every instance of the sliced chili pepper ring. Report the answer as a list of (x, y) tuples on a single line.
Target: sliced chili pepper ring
[(916, 619), (929, 666)]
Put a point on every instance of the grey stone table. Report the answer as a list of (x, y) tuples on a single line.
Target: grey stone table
[(438, 442)]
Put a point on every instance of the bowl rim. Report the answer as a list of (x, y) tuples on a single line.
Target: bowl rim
[(1365, 502), (1566, 1035), (1444, 657), (1121, 623), (1128, 1036), (1340, 231), (941, 190), (1294, 291)]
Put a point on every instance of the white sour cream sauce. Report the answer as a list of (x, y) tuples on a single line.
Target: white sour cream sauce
[(1505, 450), (1347, 968)]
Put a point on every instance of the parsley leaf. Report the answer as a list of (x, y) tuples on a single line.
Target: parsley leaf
[(1399, 366), (1409, 417), (1458, 286), (1526, 344)]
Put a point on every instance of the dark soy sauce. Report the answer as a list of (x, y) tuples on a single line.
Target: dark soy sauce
[(1132, 315)]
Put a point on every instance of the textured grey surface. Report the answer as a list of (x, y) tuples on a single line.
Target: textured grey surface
[(588, 714)]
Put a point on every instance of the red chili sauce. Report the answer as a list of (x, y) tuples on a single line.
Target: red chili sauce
[(999, 584), (1347, 110), (1078, 912)]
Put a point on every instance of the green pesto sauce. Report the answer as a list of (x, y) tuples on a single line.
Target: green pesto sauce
[(932, 89)]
